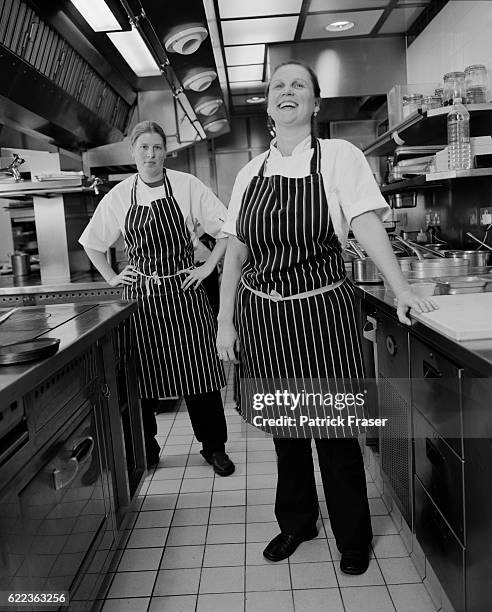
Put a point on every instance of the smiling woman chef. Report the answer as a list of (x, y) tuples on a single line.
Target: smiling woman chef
[(294, 308), (156, 210)]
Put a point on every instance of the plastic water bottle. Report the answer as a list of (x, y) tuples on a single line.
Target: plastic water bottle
[(459, 152)]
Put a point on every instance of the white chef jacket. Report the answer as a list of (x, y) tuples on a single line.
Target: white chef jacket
[(197, 203), (347, 177)]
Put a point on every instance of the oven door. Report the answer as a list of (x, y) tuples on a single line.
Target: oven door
[(63, 506)]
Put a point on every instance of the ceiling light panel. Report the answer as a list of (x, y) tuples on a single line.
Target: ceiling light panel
[(245, 54), (234, 9), (245, 73), (345, 5), (135, 53), (97, 14), (364, 21), (400, 20), (251, 31)]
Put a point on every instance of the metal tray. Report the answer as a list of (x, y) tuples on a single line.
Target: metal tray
[(31, 350)]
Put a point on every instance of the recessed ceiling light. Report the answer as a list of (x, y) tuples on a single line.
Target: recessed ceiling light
[(255, 100), (199, 79), (186, 39), (339, 26), (215, 126), (208, 106)]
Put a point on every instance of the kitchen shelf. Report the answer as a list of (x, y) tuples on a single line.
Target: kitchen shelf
[(433, 180), (429, 128)]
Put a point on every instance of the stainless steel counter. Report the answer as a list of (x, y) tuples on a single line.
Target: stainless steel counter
[(475, 354)]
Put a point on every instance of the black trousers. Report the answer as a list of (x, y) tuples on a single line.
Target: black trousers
[(207, 418), (344, 484)]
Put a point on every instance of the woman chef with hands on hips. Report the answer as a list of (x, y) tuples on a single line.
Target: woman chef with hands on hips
[(156, 211), (286, 302)]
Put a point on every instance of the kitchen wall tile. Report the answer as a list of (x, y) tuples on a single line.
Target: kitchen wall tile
[(227, 515), (399, 571), (272, 577), (131, 584)]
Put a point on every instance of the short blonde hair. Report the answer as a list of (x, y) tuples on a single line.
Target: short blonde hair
[(146, 127)]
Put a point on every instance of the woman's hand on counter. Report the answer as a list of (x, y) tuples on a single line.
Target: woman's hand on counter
[(127, 277), (196, 276), (227, 341), (408, 300)]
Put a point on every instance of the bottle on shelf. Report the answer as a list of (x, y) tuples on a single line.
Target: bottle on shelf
[(459, 151)]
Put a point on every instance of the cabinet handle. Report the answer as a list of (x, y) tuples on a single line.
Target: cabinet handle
[(80, 454), (433, 453), (430, 371), (369, 329)]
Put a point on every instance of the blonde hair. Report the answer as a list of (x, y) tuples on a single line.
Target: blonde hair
[(146, 127)]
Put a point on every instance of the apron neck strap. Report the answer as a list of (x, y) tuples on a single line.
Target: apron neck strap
[(316, 156), (315, 159), (166, 184)]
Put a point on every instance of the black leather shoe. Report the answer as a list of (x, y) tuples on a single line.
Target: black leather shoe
[(220, 461), (152, 451), (285, 544), (355, 561)]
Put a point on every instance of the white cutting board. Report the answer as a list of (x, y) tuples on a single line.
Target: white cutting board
[(462, 317)]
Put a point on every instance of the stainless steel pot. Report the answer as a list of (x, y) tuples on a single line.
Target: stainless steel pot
[(406, 263), (440, 267), (477, 259), (365, 271), (403, 200), (21, 264)]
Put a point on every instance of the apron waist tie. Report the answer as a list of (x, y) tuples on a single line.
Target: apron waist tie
[(276, 297), (155, 278)]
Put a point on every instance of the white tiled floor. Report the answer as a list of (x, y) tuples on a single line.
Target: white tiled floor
[(196, 541)]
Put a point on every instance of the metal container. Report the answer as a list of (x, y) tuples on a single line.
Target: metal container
[(403, 200), (477, 259), (365, 271), (406, 263), (460, 284), (21, 263), (440, 267)]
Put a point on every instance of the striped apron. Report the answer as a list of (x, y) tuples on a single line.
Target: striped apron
[(310, 339), (175, 330)]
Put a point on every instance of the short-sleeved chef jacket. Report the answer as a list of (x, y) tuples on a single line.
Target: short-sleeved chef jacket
[(196, 201), (347, 177)]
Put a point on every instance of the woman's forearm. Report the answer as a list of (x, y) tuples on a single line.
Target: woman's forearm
[(101, 263), (217, 252), (234, 258), (371, 234)]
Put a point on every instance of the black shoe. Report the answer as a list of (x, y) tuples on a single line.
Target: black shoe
[(285, 544), (355, 561), (152, 452), (221, 463)]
